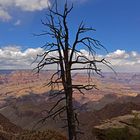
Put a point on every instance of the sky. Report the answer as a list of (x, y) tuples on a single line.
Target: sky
[(117, 24)]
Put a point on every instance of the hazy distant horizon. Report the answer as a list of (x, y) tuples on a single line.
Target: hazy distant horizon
[(8, 71)]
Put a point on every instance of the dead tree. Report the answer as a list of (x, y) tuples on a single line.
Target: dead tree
[(59, 51)]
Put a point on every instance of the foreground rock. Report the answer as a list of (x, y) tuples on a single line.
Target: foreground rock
[(125, 127), (9, 131), (31, 135)]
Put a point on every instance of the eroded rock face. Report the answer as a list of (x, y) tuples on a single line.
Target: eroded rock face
[(32, 135), (9, 131), (125, 127), (23, 96)]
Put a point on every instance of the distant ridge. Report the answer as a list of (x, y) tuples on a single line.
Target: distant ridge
[(9, 71), (6, 71)]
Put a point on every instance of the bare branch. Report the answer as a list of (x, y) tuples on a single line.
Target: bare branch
[(67, 59), (54, 114), (57, 103), (86, 87)]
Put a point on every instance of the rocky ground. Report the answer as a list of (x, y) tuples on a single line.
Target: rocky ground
[(24, 97), (10, 131), (125, 127)]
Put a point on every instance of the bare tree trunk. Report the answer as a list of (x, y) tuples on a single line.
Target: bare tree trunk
[(70, 109), (68, 56), (70, 116)]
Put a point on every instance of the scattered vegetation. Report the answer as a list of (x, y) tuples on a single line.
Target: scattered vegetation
[(118, 134), (32, 135), (128, 130)]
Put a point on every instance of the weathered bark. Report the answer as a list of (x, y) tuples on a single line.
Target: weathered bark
[(70, 116), (69, 104)]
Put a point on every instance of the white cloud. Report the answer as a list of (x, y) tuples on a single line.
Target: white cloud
[(125, 61), (25, 5), (31, 5), (118, 54), (4, 15), (121, 60), (18, 22), (13, 57), (134, 54)]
